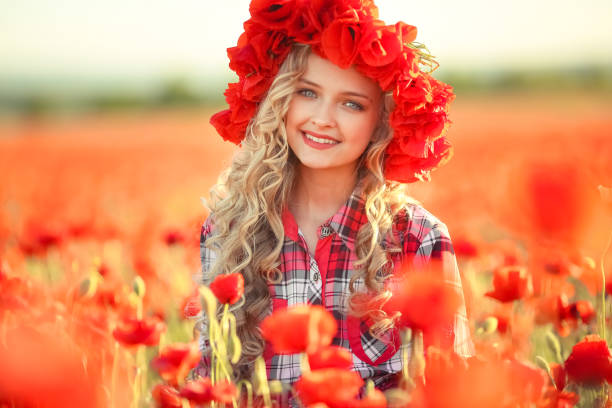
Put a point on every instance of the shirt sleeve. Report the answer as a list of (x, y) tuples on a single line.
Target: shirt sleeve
[(207, 257), (437, 247)]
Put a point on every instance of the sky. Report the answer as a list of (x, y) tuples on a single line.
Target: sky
[(116, 38)]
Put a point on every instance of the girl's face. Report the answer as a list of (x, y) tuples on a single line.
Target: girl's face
[(332, 115)]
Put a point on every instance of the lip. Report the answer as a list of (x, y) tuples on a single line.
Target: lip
[(317, 145)]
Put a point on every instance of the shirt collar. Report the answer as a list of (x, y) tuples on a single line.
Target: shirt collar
[(346, 222)]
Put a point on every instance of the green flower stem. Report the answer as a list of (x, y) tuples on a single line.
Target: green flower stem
[(304, 363), (249, 390), (141, 362), (220, 368), (225, 328), (261, 378), (136, 388), (407, 382)]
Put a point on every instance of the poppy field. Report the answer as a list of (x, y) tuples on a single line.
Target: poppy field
[(100, 220)]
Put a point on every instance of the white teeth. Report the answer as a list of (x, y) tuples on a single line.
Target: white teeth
[(318, 140)]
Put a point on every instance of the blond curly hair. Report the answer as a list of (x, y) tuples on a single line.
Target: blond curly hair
[(247, 202)]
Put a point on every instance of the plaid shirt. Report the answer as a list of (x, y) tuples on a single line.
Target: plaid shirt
[(324, 280)]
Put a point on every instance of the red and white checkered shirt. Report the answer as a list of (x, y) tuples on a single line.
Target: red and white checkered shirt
[(324, 280)]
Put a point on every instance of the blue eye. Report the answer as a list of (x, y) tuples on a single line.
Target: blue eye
[(354, 105), (309, 93)]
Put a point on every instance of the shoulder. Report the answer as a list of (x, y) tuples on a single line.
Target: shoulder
[(207, 228), (207, 254), (416, 226)]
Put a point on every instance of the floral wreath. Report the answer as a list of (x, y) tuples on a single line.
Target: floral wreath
[(347, 33)]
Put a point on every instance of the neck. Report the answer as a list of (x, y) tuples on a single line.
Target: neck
[(318, 194)]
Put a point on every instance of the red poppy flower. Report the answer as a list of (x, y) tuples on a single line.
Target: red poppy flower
[(175, 361), (558, 375), (340, 40), (243, 58), (166, 397), (303, 328), (454, 382), (380, 45), (557, 199), (37, 238), (225, 392), (502, 316), (173, 237), (590, 361), (425, 302), (557, 399), (61, 379), (199, 391), (335, 387), (232, 123), (16, 293), (230, 131), (228, 288), (564, 316), (411, 95), (305, 28), (407, 168), (275, 14), (609, 285), (387, 75), (465, 248), (202, 391), (529, 382), (580, 310), (331, 357), (510, 283), (271, 47), (191, 306), (133, 332)]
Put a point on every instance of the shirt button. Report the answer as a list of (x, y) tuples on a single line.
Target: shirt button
[(315, 277), (325, 231)]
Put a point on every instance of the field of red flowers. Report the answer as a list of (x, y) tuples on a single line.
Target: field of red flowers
[(99, 241)]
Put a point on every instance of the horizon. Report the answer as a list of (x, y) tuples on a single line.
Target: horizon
[(85, 39)]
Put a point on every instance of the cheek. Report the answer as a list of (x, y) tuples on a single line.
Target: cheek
[(295, 113), (365, 129)]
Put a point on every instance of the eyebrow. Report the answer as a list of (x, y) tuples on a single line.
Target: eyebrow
[(343, 93)]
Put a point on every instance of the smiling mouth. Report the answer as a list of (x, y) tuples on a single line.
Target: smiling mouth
[(319, 139)]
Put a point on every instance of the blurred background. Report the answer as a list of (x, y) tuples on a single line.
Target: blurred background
[(76, 56), (106, 151), (104, 110)]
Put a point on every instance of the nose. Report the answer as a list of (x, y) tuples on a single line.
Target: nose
[(323, 116)]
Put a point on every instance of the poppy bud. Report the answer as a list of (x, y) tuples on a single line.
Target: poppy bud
[(138, 286), (88, 286), (553, 345), (488, 326)]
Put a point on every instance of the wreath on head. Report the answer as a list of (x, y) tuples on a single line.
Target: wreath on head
[(347, 33)]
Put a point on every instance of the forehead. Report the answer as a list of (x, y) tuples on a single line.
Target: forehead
[(337, 80)]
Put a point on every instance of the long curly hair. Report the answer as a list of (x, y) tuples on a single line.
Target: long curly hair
[(247, 202)]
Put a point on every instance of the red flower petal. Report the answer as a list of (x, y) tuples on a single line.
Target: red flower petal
[(175, 361), (298, 329), (228, 288), (133, 332), (590, 361), (331, 357), (335, 387)]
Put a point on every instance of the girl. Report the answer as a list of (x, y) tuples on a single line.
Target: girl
[(334, 113)]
